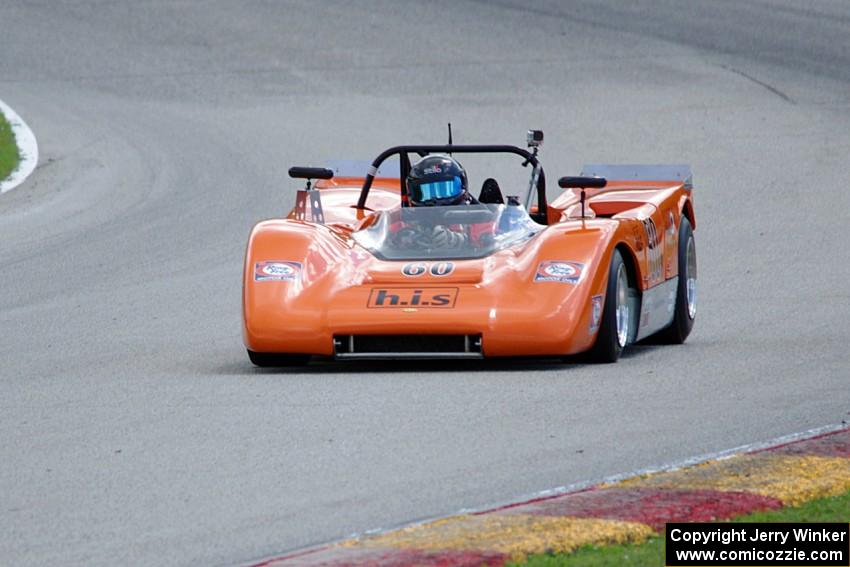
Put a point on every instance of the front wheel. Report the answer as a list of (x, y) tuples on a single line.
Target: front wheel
[(686, 292), (616, 316), (271, 359)]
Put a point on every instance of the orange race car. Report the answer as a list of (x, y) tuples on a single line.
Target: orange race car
[(356, 270)]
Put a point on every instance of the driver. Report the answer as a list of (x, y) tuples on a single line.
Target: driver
[(435, 181)]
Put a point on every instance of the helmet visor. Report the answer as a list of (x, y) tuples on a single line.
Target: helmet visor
[(434, 190)]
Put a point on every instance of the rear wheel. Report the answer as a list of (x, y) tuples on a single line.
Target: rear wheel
[(616, 316), (271, 359), (686, 292)]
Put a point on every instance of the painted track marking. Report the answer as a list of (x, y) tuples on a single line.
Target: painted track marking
[(27, 146)]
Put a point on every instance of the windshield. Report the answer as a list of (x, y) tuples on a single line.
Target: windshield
[(453, 232)]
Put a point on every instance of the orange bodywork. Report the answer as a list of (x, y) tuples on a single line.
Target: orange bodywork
[(496, 297)]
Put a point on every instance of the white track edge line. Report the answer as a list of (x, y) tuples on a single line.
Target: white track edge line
[(690, 461), (575, 487), (27, 147)]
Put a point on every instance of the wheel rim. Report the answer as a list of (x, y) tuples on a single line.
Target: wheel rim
[(622, 306), (691, 276)]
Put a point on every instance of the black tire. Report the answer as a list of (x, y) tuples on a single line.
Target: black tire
[(609, 345), (683, 316), (271, 359)]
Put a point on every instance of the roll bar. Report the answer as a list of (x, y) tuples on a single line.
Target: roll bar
[(404, 166)]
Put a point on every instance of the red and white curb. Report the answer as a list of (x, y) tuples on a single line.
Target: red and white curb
[(27, 146)]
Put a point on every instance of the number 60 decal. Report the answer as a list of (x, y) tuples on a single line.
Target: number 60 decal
[(438, 269)]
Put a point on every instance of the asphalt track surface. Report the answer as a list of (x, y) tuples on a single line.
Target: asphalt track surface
[(133, 428)]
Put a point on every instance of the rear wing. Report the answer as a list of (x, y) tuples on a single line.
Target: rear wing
[(639, 172)]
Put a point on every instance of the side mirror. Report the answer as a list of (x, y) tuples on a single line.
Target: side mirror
[(310, 173), (582, 182)]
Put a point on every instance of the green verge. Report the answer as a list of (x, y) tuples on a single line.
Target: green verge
[(9, 156), (651, 552)]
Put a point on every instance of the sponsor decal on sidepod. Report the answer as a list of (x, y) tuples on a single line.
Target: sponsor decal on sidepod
[(595, 312), (277, 270), (560, 271)]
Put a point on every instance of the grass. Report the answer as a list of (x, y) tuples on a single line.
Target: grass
[(9, 156), (651, 552)]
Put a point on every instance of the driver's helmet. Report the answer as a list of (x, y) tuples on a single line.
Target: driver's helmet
[(436, 180)]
